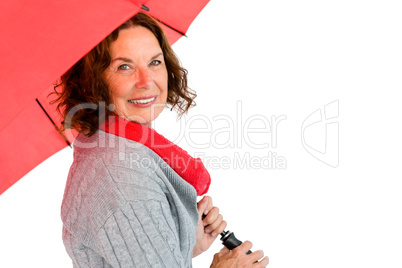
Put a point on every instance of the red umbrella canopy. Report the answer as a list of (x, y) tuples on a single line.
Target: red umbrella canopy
[(40, 40)]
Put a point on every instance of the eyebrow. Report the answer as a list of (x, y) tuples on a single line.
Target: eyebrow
[(122, 59), (129, 60)]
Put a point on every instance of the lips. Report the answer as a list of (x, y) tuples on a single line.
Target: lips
[(143, 102)]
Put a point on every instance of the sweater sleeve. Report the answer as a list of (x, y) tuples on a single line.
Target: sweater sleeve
[(141, 234)]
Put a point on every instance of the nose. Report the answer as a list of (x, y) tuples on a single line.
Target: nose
[(143, 78)]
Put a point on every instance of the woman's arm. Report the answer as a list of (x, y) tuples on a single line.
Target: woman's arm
[(141, 234)]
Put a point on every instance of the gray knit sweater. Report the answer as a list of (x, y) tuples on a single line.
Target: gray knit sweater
[(124, 206)]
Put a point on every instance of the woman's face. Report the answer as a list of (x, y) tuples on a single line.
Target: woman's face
[(137, 75)]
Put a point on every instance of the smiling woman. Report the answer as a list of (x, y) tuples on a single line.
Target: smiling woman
[(117, 212), (137, 76), (110, 64)]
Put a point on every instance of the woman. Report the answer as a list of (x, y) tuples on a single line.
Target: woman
[(127, 202)]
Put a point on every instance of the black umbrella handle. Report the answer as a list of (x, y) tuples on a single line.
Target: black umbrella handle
[(230, 241)]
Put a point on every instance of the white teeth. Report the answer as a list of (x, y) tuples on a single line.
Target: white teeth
[(141, 101)]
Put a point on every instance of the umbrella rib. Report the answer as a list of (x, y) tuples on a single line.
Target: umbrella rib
[(144, 7), (183, 34), (51, 120)]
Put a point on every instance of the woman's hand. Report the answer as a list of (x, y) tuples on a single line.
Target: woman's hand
[(237, 258), (210, 225)]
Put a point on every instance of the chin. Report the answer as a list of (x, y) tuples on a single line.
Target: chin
[(141, 120)]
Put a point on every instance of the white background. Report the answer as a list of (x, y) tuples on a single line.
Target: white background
[(262, 59)]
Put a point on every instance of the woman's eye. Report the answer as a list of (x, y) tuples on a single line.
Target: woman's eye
[(155, 62), (124, 67)]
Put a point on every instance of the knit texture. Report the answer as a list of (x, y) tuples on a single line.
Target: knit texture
[(124, 206), (190, 169)]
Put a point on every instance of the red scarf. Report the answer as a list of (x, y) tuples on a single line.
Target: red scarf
[(190, 169)]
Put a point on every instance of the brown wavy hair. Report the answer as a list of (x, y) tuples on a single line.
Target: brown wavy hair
[(83, 91)]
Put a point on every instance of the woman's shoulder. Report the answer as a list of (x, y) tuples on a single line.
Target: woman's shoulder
[(123, 159), (114, 170), (102, 180), (110, 162)]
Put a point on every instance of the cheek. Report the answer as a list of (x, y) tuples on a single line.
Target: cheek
[(117, 87), (160, 79), (164, 94), (165, 84)]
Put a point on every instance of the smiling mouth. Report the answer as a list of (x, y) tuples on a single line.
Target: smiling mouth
[(143, 101)]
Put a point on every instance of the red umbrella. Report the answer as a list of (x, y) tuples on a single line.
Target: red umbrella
[(40, 40)]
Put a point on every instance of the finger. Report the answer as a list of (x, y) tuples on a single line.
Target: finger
[(220, 229), (211, 216), (223, 251), (209, 204), (212, 226), (262, 263), (201, 206), (204, 206), (256, 255), (243, 248)]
